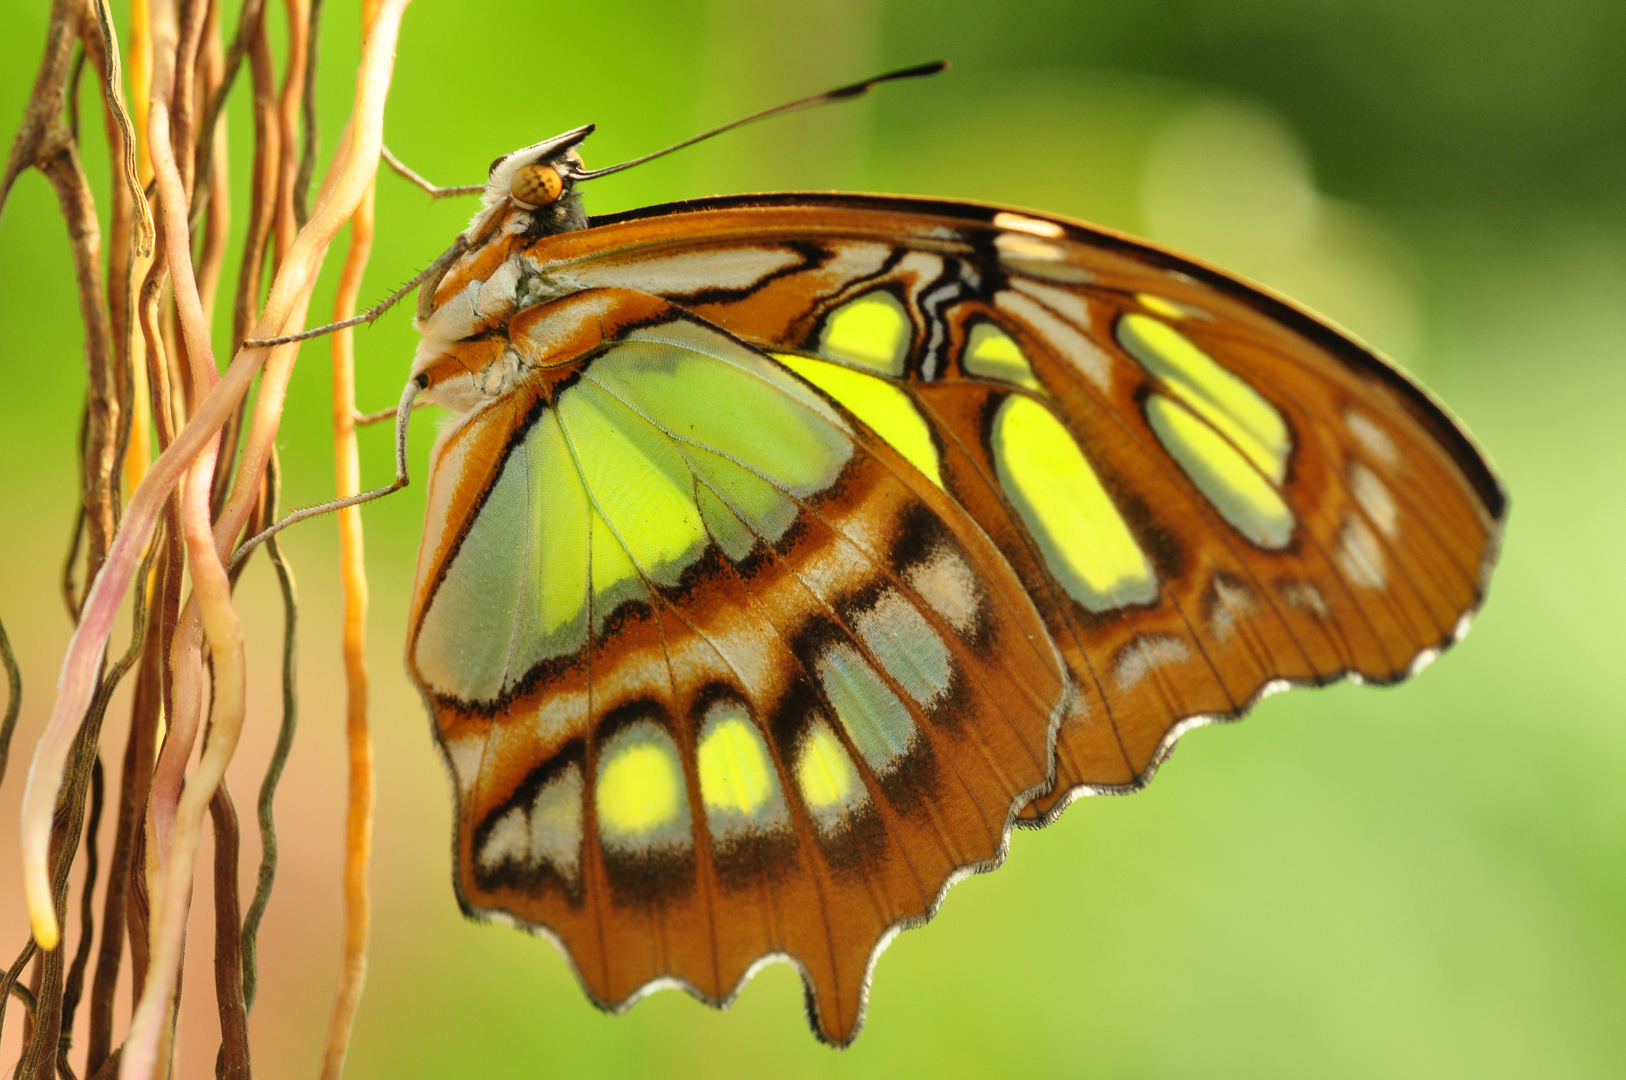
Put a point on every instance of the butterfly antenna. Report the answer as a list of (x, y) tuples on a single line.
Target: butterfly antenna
[(857, 89)]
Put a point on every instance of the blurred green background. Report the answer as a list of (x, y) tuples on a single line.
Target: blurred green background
[(1422, 881)]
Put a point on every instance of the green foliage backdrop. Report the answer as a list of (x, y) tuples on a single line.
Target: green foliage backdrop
[(1422, 881)]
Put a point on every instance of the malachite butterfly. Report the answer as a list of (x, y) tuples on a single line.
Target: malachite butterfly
[(785, 551)]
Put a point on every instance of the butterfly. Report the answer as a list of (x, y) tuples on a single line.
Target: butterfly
[(783, 552)]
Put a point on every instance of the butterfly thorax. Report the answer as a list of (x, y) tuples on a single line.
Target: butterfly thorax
[(467, 354)]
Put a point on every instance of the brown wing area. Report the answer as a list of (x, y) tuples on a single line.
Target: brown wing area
[(878, 659), (1395, 517)]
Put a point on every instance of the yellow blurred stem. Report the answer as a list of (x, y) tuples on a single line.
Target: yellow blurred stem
[(353, 571), (138, 459)]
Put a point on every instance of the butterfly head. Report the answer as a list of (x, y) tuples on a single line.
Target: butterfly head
[(535, 187)]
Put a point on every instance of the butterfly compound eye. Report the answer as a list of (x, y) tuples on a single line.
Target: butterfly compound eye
[(535, 185)]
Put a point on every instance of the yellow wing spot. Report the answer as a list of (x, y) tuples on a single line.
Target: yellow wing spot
[(640, 788), (825, 774), (735, 774), (1085, 541), (872, 331), (991, 354), (1159, 306), (886, 408), (1233, 483), (1233, 407)]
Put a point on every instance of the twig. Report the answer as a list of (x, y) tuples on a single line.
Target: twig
[(279, 755), (10, 984), (135, 780), (76, 547), (44, 142), (113, 93), (130, 227), (26, 996), (14, 701), (249, 21), (233, 1060), (308, 141), (288, 104), (263, 194), (87, 912)]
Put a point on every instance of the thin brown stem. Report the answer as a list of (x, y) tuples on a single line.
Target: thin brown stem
[(46, 143), (308, 140), (124, 249), (288, 105), (134, 781), (249, 20), (266, 803), (10, 983), (263, 192), (14, 699), (113, 94), (75, 987), (233, 1060)]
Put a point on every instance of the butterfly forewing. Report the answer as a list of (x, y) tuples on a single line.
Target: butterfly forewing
[(791, 547), (1296, 510)]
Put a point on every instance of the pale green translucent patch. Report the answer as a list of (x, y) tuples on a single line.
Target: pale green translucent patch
[(464, 640), (903, 641), (514, 593), (992, 354), (1227, 479), (877, 722), (558, 535), (762, 508), (1233, 407), (741, 406), (638, 481), (662, 448), (727, 530), (1086, 543), (872, 331), (738, 784), (884, 406), (640, 795), (826, 777)]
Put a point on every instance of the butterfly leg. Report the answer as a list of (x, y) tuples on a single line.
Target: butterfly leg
[(430, 273), (361, 419), (403, 414), (434, 190)]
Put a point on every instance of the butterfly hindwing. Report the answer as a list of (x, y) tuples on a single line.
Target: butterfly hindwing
[(718, 673)]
